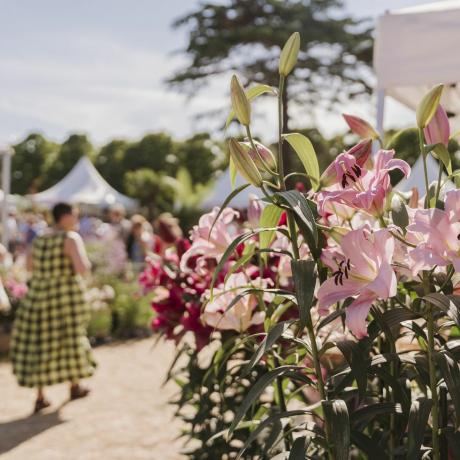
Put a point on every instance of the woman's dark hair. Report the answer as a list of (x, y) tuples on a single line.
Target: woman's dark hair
[(60, 210)]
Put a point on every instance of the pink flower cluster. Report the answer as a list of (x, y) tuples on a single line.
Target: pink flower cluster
[(180, 280), (369, 254), (16, 290)]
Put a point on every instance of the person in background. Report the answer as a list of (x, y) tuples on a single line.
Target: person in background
[(119, 223), (166, 232), (139, 240), (49, 343)]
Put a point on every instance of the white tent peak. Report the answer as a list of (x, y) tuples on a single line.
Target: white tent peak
[(83, 185)]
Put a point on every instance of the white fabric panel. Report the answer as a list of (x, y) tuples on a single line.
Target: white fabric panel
[(84, 185), (418, 48)]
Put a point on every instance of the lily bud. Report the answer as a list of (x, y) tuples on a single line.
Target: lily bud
[(360, 127), (437, 131), (240, 102), (263, 154), (428, 106), (244, 163), (288, 58)]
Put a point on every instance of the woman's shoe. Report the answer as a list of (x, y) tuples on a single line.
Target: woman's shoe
[(41, 404), (77, 392)]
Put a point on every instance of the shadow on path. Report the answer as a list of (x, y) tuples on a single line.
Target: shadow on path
[(15, 432)]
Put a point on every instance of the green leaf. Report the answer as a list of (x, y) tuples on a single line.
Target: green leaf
[(305, 218), (255, 391), (396, 316), (449, 304), (354, 356), (304, 277), (269, 218), (252, 93), (231, 248), (366, 414), (226, 202), (399, 215), (416, 426), (307, 155), (243, 260), (270, 339), (443, 154), (299, 449), (451, 374), (233, 172), (368, 446), (267, 422), (336, 412)]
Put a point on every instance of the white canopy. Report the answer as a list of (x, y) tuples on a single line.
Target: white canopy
[(83, 185), (222, 188), (416, 48)]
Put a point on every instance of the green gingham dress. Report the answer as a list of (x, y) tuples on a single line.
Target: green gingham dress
[(49, 343)]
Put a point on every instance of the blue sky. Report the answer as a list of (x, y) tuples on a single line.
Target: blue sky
[(98, 66)]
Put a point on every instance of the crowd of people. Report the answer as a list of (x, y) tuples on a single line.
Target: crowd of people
[(135, 234)]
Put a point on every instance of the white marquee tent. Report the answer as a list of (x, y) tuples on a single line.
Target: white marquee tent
[(83, 185), (416, 48)]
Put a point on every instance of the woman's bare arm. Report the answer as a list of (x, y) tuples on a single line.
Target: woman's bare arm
[(75, 249), (29, 260)]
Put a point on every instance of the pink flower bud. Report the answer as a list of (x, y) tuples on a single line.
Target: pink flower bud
[(360, 127), (263, 155), (437, 130)]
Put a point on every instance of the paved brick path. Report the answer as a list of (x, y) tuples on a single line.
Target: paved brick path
[(126, 417)]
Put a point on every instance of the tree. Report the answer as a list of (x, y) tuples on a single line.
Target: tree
[(154, 151), (245, 36), (200, 157), (29, 163), (109, 162), (70, 151), (154, 190)]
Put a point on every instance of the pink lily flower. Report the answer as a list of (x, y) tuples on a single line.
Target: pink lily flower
[(207, 244), (436, 233), (364, 189), (334, 172), (438, 131), (362, 270), (243, 314)]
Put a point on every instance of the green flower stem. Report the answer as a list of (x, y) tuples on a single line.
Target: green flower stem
[(319, 376), (280, 129), (283, 407), (438, 186), (295, 250), (430, 327), (432, 372), (422, 152)]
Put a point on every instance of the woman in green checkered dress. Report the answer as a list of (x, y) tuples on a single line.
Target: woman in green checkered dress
[(49, 343)]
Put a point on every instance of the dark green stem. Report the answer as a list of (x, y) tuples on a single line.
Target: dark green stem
[(432, 372), (438, 186), (422, 152)]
